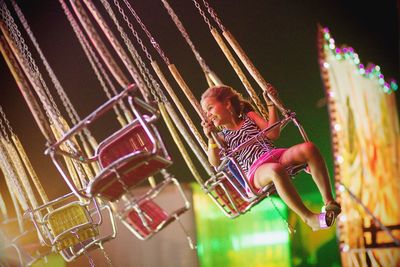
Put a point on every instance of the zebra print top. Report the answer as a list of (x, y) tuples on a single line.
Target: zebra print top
[(246, 156)]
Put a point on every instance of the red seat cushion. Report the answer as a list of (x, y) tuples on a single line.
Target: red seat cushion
[(154, 215), (124, 142), (239, 202), (129, 153)]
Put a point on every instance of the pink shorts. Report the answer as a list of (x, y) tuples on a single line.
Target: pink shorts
[(272, 156)]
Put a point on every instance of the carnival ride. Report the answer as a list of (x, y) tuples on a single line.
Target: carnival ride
[(102, 175)]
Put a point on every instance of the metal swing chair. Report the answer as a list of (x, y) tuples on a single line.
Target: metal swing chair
[(127, 158), (230, 188), (227, 184)]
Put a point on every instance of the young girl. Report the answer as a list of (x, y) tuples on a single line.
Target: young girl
[(262, 162)]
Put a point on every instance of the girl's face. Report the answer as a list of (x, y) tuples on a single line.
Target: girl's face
[(216, 111)]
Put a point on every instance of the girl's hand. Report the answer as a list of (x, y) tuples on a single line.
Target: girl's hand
[(208, 128), (271, 91)]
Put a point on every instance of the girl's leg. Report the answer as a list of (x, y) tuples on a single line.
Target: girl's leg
[(276, 173), (309, 153)]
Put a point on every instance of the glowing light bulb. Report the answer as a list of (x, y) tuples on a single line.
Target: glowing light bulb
[(341, 188), (394, 85), (339, 159), (326, 65)]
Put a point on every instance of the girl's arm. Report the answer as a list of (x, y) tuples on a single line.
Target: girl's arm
[(213, 153), (213, 149), (274, 133)]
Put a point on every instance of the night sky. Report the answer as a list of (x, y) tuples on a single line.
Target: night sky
[(280, 36)]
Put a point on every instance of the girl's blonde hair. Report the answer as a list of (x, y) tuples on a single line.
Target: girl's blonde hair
[(224, 93)]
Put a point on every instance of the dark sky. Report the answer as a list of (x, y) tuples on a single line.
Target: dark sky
[(278, 35)]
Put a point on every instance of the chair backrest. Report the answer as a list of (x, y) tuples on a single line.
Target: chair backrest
[(230, 199), (70, 225), (147, 218), (129, 139)]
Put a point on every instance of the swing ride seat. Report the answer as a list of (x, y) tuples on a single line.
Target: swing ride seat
[(230, 189), (226, 195), (231, 194), (69, 226), (145, 217), (127, 158)]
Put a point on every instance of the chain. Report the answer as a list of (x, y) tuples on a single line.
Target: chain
[(206, 20), (154, 86), (186, 36), (11, 176), (16, 35), (151, 38), (4, 132), (91, 261), (105, 254), (91, 56), (73, 115), (290, 228), (6, 122), (213, 15), (128, 43), (71, 111)]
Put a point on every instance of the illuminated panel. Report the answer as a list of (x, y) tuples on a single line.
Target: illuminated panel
[(259, 238), (366, 146)]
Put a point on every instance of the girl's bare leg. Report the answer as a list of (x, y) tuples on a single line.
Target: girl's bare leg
[(276, 173), (309, 153)]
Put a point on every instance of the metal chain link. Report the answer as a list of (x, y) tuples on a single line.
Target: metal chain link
[(6, 18), (71, 111), (154, 86), (3, 129), (206, 20), (128, 44), (16, 35), (186, 36), (73, 115), (94, 61), (105, 254), (91, 261), (290, 228), (53, 117), (48, 103), (213, 15), (138, 60), (149, 35)]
